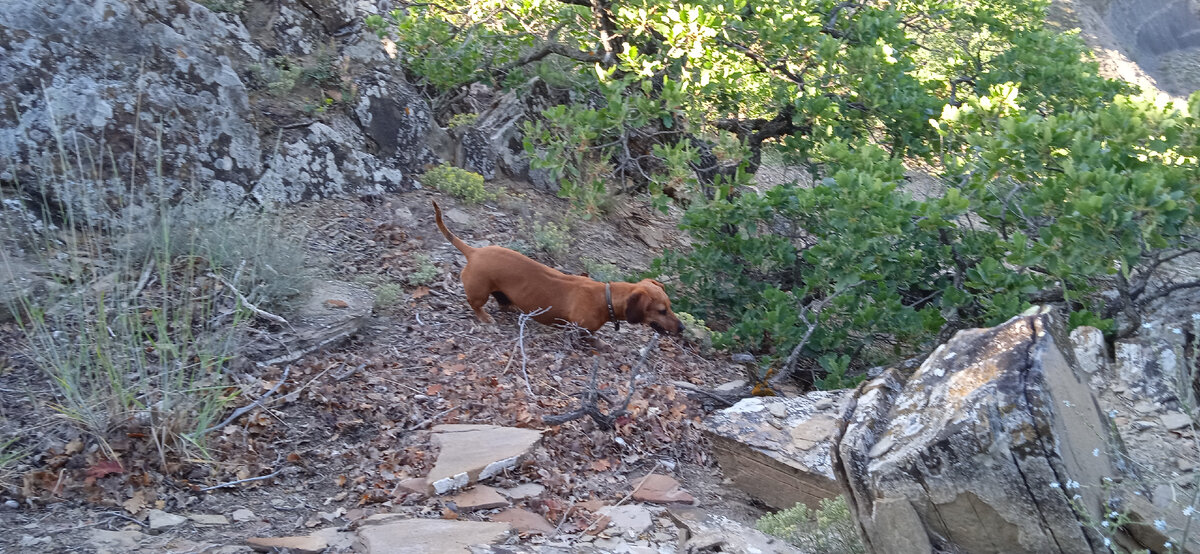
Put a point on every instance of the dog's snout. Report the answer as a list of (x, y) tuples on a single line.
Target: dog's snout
[(680, 329)]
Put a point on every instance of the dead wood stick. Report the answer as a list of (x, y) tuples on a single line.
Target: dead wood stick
[(240, 481), (789, 366), (591, 395), (240, 411), (706, 392), (249, 305)]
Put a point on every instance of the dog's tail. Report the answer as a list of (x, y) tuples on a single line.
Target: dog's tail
[(457, 242)]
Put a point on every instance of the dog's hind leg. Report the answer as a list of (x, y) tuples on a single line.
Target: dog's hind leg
[(477, 300)]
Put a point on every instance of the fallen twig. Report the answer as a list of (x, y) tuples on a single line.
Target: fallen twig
[(422, 424), (246, 302), (240, 481), (592, 394), (241, 411)]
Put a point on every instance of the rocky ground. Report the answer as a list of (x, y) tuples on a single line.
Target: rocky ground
[(349, 428)]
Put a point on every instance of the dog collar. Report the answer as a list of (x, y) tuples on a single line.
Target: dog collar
[(612, 314)]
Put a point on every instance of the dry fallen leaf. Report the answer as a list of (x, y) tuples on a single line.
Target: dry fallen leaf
[(104, 468), (135, 502), (421, 291)]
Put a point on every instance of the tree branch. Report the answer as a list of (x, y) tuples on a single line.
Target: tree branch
[(591, 395)]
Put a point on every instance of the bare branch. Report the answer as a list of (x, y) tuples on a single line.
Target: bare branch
[(240, 481), (240, 411), (789, 366), (592, 395)]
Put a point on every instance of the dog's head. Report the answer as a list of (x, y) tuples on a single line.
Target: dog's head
[(648, 304)]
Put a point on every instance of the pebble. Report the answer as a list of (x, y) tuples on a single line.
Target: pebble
[(242, 515), (11, 504)]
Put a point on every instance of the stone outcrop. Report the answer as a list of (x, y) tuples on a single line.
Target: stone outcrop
[(277, 103), (983, 449), (996, 443)]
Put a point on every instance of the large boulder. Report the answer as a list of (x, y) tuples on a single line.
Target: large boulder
[(995, 444)]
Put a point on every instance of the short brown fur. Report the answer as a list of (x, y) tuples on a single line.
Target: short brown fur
[(530, 286)]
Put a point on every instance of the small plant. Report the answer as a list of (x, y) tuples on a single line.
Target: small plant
[(388, 295), (552, 238), (425, 271), (695, 331), (459, 183), (828, 529), (463, 120), (601, 271), (519, 245)]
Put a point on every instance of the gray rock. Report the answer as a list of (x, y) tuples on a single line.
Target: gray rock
[(779, 449), (1150, 368), (173, 84), (706, 532), (160, 520), (991, 437), (426, 536), (114, 542), (1175, 420), (628, 518), (332, 311), (523, 491), (1090, 350)]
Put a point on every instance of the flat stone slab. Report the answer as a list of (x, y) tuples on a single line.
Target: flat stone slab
[(160, 520), (661, 489), (471, 453), (523, 491), (525, 521), (778, 450), (427, 536), (481, 497), (628, 518), (310, 544)]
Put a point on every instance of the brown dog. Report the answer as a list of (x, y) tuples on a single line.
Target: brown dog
[(519, 282)]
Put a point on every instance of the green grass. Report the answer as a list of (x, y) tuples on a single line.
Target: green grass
[(147, 307)]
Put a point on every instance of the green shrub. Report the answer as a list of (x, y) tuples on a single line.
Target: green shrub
[(425, 272), (1037, 209), (828, 529), (695, 331), (552, 238), (388, 295), (459, 183), (602, 271), (463, 120)]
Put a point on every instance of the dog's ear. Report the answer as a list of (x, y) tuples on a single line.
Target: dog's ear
[(635, 307)]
